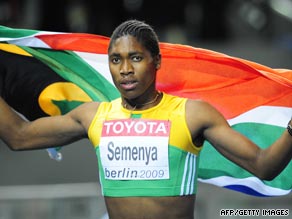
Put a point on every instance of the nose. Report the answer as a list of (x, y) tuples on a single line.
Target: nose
[(126, 67)]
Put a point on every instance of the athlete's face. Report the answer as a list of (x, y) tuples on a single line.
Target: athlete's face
[(133, 68)]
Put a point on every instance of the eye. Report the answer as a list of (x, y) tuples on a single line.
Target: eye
[(137, 58), (115, 60)]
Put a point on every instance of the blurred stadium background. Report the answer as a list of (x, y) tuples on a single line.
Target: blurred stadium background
[(33, 186)]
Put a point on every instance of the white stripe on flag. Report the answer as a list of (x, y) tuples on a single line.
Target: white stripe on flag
[(99, 62), (251, 182), (30, 40), (271, 115)]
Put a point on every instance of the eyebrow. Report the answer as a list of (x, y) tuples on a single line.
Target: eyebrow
[(130, 54), (114, 54)]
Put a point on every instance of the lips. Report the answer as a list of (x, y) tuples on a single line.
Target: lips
[(128, 84)]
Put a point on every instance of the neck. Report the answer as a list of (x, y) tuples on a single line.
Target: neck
[(131, 105)]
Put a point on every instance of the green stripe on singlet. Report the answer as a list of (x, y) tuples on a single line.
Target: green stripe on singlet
[(136, 116)]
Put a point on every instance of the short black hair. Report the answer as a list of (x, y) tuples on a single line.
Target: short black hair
[(143, 32)]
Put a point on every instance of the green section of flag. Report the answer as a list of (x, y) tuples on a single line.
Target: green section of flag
[(66, 106), (15, 33), (214, 164), (72, 68)]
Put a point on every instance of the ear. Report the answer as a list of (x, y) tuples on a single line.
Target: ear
[(158, 61)]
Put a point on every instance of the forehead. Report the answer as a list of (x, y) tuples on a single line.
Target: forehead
[(126, 44)]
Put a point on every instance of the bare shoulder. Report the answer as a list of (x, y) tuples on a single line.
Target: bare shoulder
[(85, 113), (200, 108), (198, 103)]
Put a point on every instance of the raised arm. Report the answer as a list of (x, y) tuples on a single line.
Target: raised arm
[(263, 163), (20, 134)]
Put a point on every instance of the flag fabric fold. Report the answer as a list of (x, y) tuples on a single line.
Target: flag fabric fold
[(55, 72)]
